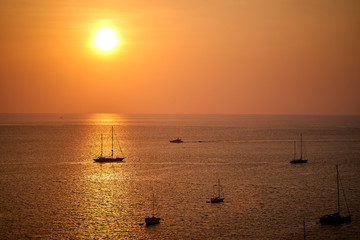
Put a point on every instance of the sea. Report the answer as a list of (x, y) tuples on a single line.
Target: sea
[(51, 188)]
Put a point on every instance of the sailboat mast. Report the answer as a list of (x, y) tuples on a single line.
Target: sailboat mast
[(112, 142), (219, 187), (153, 205), (300, 145), (101, 145), (294, 150), (338, 191)]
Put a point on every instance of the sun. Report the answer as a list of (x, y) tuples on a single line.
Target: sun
[(105, 39)]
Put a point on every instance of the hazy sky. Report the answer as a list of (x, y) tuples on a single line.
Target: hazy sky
[(185, 56)]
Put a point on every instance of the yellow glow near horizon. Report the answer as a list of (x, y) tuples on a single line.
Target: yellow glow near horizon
[(107, 119), (105, 39)]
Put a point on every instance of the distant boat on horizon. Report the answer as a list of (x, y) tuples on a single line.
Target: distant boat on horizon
[(336, 218), (217, 198), (300, 160), (105, 159), (177, 140), (152, 220)]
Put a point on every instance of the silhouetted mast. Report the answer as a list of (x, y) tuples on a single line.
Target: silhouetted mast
[(338, 191), (300, 145), (153, 204), (219, 188), (112, 142), (101, 145)]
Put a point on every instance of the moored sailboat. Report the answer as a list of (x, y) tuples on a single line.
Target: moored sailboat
[(336, 218), (299, 160), (217, 198), (105, 159), (152, 220)]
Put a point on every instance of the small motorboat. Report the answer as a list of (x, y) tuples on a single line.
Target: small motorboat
[(178, 140)]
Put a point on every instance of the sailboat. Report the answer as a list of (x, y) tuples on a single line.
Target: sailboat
[(104, 159), (218, 198), (300, 160), (336, 218), (152, 220)]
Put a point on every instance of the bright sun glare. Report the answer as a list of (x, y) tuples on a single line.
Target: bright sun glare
[(105, 39)]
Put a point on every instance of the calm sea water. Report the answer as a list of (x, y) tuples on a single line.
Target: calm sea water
[(51, 188)]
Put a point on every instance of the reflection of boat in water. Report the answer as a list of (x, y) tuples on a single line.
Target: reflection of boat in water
[(104, 159), (218, 198), (178, 140), (336, 218), (152, 220), (300, 160)]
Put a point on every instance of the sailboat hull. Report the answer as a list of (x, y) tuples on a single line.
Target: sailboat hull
[(217, 199), (334, 219), (108, 159), (152, 221), (298, 161)]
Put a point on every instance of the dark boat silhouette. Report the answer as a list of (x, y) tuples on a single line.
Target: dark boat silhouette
[(336, 218), (152, 220), (300, 160), (105, 159), (217, 198), (178, 140)]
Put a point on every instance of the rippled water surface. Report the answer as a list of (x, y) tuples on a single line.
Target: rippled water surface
[(51, 188)]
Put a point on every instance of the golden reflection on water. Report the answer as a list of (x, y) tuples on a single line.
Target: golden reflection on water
[(103, 201), (107, 119), (64, 194)]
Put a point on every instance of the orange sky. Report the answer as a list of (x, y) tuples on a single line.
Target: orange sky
[(185, 56)]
